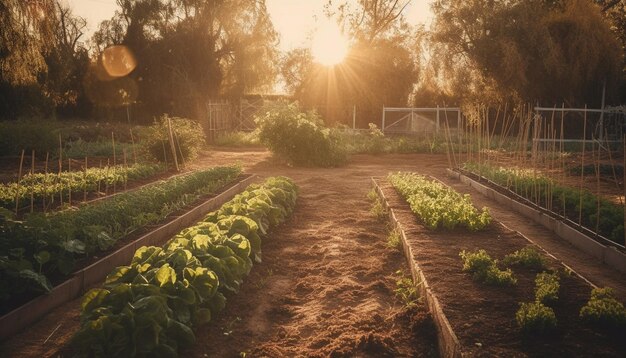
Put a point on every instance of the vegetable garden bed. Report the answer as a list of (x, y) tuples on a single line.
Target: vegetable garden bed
[(79, 279), (482, 316), (604, 250)]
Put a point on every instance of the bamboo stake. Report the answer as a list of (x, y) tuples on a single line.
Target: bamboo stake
[(114, 161), (597, 168), (45, 183), (85, 181), (624, 185), (132, 142), (125, 167), (69, 171), (562, 157), (60, 171), (99, 181), (173, 147), (19, 179), (582, 171), (32, 188)]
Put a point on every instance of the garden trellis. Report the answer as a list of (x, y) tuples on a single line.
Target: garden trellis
[(420, 120)]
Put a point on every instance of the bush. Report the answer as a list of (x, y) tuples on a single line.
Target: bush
[(15, 136), (188, 139), (238, 139), (485, 269), (300, 137), (535, 317), (604, 310)]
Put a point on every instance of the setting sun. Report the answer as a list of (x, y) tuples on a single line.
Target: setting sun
[(329, 45)]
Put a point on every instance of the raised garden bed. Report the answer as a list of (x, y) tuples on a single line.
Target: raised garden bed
[(483, 317), (94, 269), (604, 250)]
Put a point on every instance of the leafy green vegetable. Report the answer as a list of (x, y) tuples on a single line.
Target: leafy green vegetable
[(150, 306)]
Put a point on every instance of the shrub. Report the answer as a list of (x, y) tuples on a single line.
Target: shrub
[(547, 288), (535, 317), (603, 309), (300, 137), (238, 139), (188, 139), (41, 136), (485, 269), (527, 257)]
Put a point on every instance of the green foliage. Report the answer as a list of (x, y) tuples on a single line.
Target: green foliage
[(70, 234), (150, 307), (406, 291), (527, 257), (377, 209), (238, 139), (535, 318), (566, 200), (188, 139), (604, 310), (394, 240), (371, 142), (28, 135), (437, 205), (485, 269), (547, 288), (52, 185), (300, 137)]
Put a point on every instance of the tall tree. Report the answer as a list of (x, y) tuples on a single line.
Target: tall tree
[(530, 50)]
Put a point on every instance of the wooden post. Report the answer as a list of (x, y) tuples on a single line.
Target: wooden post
[(383, 124), (60, 170), (354, 116)]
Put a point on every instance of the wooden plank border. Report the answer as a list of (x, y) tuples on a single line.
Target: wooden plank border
[(25, 315)]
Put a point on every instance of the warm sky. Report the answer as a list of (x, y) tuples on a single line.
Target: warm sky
[(294, 19)]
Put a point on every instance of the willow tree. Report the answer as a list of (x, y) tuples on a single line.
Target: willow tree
[(528, 50), (189, 51)]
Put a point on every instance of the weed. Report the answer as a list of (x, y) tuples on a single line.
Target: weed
[(406, 291), (377, 209), (394, 240)]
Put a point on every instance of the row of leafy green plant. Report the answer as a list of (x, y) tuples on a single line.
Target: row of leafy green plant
[(52, 186), (602, 310), (564, 200), (438, 205), (45, 246), (150, 307)]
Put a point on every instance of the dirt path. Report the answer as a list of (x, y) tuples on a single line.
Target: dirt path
[(326, 284)]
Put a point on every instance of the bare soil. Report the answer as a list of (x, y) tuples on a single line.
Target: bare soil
[(325, 287)]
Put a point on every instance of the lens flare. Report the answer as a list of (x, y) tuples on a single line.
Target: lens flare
[(118, 61)]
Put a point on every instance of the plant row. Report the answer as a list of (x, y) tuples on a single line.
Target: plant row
[(44, 246), (438, 205), (572, 203), (602, 310), (149, 307), (50, 185)]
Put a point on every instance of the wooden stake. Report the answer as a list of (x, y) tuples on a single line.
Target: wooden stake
[(173, 147), (32, 188), (45, 183), (582, 170), (85, 182), (69, 171), (19, 179), (60, 170)]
